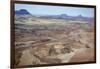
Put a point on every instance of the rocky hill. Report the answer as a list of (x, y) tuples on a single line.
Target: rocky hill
[(22, 12)]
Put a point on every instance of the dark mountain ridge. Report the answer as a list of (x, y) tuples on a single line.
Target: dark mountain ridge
[(22, 12)]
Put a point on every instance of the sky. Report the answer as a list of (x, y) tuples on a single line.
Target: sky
[(56, 10)]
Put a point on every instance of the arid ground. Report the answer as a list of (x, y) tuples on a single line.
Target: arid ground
[(51, 41)]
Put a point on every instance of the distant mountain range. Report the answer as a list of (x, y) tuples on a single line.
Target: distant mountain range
[(62, 16), (67, 17)]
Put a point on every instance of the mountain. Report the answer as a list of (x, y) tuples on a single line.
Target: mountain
[(61, 16), (64, 16), (67, 17), (22, 12), (80, 16)]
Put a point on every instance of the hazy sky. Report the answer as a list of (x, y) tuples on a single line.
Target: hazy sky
[(56, 10)]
